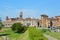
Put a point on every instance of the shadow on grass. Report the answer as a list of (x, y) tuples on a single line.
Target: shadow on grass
[(4, 34)]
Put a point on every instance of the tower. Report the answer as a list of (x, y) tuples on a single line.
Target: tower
[(21, 14), (7, 18), (44, 20)]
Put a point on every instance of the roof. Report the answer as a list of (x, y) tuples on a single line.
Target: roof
[(28, 19), (44, 15), (57, 16), (52, 18)]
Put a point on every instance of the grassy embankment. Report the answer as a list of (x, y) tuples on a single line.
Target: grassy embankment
[(30, 34), (36, 34), (53, 34), (12, 35)]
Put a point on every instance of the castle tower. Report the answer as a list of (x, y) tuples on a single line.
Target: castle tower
[(44, 20), (21, 14)]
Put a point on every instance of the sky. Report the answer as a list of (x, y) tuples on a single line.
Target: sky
[(30, 8)]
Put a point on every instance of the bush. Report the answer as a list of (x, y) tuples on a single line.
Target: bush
[(18, 28), (45, 30), (1, 25), (49, 30)]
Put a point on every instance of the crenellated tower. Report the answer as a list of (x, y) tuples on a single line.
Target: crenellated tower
[(44, 20)]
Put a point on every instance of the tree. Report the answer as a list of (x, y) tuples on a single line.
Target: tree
[(18, 27), (0, 25)]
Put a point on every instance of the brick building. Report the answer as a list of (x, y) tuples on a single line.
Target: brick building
[(45, 21)]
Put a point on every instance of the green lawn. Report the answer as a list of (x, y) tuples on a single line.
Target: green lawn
[(30, 34), (36, 34)]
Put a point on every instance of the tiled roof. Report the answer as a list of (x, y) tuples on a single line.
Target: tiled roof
[(28, 19)]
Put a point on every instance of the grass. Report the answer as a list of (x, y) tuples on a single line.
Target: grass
[(30, 34), (54, 34), (12, 35), (35, 34), (25, 36), (1, 38)]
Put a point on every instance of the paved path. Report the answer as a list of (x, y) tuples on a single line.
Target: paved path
[(49, 37)]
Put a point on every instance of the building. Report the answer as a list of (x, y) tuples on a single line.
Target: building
[(45, 21), (25, 21), (53, 21)]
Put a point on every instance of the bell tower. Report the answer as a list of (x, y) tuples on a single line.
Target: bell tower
[(7, 18), (21, 14)]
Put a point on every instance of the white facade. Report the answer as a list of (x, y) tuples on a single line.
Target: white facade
[(27, 21)]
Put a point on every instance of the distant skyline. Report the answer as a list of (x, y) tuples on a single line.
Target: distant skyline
[(31, 8)]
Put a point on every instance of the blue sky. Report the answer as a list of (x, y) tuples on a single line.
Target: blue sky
[(31, 8)]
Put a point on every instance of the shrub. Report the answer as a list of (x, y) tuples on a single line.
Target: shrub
[(18, 27), (1, 25), (44, 30)]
